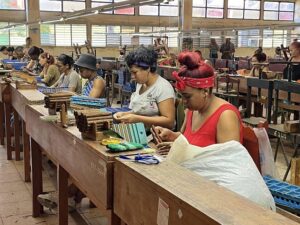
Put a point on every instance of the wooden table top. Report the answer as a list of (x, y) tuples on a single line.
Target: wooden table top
[(197, 200)]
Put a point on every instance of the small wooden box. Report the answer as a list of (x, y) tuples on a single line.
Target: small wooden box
[(291, 126)]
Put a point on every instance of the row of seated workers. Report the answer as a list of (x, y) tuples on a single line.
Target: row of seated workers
[(259, 62), (208, 119)]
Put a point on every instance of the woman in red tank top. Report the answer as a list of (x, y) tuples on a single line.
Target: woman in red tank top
[(209, 119)]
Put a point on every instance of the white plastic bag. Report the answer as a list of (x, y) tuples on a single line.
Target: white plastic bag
[(228, 164), (267, 163)]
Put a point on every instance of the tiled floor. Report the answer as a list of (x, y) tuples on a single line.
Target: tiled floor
[(16, 203), (15, 195)]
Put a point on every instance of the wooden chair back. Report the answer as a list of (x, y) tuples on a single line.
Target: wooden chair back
[(259, 84), (250, 142)]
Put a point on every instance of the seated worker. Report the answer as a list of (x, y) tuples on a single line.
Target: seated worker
[(4, 51), (69, 77), (295, 57), (209, 119), (278, 53), (10, 51), (19, 54), (258, 58), (33, 65), (153, 101), (95, 85), (256, 67), (50, 73), (202, 59)]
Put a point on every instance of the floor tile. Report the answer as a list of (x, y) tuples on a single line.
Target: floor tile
[(9, 177), (17, 196), (16, 208), (23, 220), (13, 186)]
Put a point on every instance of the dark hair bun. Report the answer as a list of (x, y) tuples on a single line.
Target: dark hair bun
[(189, 59)]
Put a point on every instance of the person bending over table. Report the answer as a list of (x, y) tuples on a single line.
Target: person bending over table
[(295, 57), (33, 67), (95, 85), (50, 73), (209, 119), (153, 101), (69, 77)]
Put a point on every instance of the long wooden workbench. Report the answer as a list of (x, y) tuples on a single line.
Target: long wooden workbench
[(127, 190), (19, 99), (169, 194), (2, 112), (87, 162)]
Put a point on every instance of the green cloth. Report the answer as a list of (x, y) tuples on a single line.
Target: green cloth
[(124, 147)]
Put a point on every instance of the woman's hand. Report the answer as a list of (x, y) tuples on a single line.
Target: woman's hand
[(166, 134), (164, 148), (118, 115), (126, 117)]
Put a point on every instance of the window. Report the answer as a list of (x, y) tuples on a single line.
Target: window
[(172, 36), (149, 10), (125, 11), (71, 6), (4, 34), (78, 34), (244, 9), (13, 36), (208, 8), (47, 34), (96, 3), (113, 35), (161, 9), (248, 38), (98, 36), (62, 5), (49, 5), (145, 40), (127, 32), (274, 38), (12, 4), (18, 35), (63, 34), (279, 11)]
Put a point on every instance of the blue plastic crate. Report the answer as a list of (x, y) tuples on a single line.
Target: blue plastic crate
[(115, 110), (90, 102), (17, 65), (283, 189), (284, 194), (49, 90), (288, 204)]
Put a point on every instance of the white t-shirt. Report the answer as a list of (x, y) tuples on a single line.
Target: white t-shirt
[(146, 104)]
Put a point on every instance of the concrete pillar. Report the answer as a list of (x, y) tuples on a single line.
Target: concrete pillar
[(33, 15), (186, 24)]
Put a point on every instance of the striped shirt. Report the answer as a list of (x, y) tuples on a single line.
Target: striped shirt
[(89, 86)]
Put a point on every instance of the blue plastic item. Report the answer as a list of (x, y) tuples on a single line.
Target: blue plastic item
[(115, 110), (285, 194), (90, 102), (49, 90), (17, 65)]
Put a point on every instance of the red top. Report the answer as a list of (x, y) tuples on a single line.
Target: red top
[(207, 134)]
